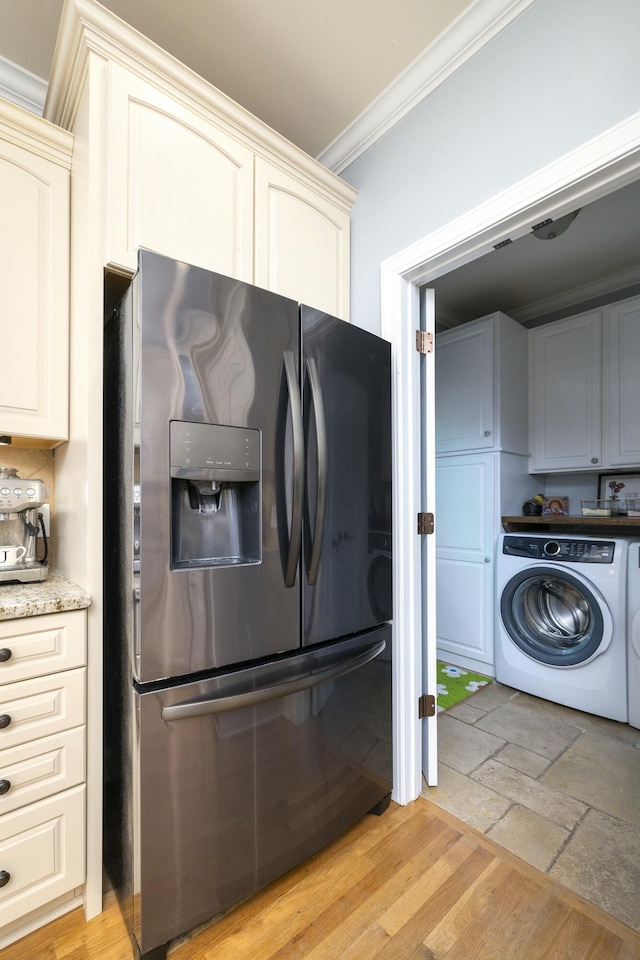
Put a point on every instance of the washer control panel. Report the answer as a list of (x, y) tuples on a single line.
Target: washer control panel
[(567, 551)]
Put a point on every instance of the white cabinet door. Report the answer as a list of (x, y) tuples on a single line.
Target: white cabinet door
[(42, 852), (465, 379), (37, 708), (34, 275), (37, 646), (566, 394), (465, 522), (621, 377), (177, 183), (301, 241)]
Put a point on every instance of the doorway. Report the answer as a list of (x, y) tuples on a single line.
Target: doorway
[(594, 170)]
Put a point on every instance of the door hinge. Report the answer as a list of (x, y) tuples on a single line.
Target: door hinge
[(425, 523), (424, 341), (426, 706)]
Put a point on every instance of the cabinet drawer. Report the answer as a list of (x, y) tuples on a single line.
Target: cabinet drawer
[(41, 768), (42, 851), (41, 707), (42, 645)]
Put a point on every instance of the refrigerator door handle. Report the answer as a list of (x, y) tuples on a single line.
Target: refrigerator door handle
[(199, 708), (321, 497), (295, 403)]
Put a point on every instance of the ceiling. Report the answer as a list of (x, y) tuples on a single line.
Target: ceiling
[(306, 68), (533, 280), (309, 69)]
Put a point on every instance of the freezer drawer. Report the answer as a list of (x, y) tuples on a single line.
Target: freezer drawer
[(240, 779)]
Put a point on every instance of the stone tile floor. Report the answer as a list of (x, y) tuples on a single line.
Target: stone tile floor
[(557, 787)]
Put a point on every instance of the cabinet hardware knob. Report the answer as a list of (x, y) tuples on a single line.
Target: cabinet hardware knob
[(5, 720), (487, 559), (594, 459), (5, 786), (4, 878), (487, 433), (5, 654)]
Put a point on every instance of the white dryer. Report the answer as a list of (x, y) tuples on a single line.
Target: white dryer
[(561, 630), (633, 633)]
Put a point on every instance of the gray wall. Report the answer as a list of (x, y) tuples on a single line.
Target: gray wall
[(562, 73)]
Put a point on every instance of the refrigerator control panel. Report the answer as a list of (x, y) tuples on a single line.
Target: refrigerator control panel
[(214, 452)]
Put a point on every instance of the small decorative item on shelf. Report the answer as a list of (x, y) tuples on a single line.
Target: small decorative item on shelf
[(533, 507), (555, 506), (596, 508), (618, 489), (633, 507)]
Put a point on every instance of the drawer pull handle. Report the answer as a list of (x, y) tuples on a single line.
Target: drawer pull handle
[(5, 786), (4, 878), (5, 654), (5, 720)]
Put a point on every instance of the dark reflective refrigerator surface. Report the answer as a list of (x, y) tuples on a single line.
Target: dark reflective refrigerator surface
[(248, 657)]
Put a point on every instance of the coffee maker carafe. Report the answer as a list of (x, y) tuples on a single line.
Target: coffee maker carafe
[(19, 521)]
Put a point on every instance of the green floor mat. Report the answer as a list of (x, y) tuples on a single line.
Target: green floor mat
[(456, 684)]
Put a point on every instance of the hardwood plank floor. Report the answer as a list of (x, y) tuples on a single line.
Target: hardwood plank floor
[(414, 884)]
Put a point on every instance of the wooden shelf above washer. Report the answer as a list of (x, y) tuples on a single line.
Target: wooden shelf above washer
[(610, 526)]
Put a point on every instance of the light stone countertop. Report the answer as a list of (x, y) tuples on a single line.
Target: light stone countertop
[(53, 595)]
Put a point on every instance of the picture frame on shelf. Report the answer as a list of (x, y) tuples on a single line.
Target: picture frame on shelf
[(555, 507), (619, 487)]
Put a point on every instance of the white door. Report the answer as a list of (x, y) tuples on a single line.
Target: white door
[(428, 547)]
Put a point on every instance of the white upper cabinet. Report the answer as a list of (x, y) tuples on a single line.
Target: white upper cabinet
[(301, 241), (566, 394), (481, 387), (35, 159), (177, 183), (622, 383), (585, 390)]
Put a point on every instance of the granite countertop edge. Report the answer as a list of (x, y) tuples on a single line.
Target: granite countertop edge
[(54, 595)]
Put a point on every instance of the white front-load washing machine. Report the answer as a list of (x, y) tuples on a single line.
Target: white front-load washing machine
[(561, 630), (633, 633)]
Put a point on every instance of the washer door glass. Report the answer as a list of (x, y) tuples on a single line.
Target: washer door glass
[(552, 616)]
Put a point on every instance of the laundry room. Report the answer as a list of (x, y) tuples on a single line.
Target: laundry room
[(538, 508)]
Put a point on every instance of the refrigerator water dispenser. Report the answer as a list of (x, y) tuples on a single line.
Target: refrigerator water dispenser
[(215, 495)]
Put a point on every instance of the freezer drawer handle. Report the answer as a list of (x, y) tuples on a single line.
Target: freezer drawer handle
[(199, 708), (298, 469), (321, 498)]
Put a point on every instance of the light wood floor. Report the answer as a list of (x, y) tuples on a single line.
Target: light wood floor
[(414, 884)]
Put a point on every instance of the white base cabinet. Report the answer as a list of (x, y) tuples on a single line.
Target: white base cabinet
[(472, 493), (42, 764)]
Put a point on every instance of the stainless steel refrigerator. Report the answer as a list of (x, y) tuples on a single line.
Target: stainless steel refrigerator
[(247, 593)]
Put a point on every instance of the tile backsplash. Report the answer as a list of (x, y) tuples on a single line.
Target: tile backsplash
[(34, 464)]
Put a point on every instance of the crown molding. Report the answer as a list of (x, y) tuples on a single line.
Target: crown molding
[(88, 31), (21, 87), (468, 34), (578, 297)]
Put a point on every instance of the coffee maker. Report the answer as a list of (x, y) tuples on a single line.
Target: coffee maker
[(19, 522)]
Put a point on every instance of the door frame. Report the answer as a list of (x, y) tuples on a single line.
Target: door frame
[(593, 170)]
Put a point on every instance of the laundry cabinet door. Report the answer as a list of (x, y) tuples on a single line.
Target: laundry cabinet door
[(566, 419), (178, 181), (465, 524), (621, 378)]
